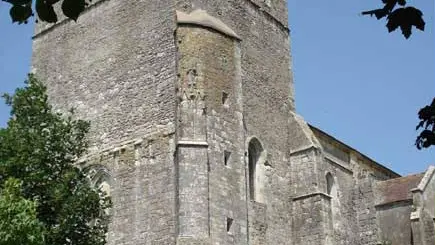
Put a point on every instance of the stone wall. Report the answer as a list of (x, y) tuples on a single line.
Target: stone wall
[(116, 66), (267, 101), (428, 197), (209, 67), (422, 217), (142, 189), (341, 210), (353, 220), (364, 205), (174, 108), (394, 223), (310, 205)]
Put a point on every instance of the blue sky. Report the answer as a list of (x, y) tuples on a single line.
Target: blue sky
[(361, 84), (352, 79)]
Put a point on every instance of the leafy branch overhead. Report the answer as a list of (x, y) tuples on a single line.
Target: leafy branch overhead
[(22, 10), (427, 122), (398, 14)]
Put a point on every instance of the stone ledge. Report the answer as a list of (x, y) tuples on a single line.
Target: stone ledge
[(304, 196), (406, 202), (123, 145), (415, 215), (192, 143), (304, 149)]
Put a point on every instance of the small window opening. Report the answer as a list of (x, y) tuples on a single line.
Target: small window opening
[(227, 156), (229, 224), (224, 98), (255, 171)]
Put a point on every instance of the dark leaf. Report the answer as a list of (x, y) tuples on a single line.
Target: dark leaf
[(395, 19), (415, 17), (20, 13), (419, 125), (426, 113), (405, 18), (73, 8), (406, 29), (425, 139), (45, 11), (427, 119)]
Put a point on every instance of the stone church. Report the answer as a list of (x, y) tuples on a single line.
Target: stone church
[(196, 138)]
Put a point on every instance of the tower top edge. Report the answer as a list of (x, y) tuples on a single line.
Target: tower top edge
[(202, 18)]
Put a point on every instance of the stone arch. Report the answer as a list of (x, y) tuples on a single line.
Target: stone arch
[(256, 170), (100, 178)]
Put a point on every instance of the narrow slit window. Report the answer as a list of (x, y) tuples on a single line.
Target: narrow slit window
[(225, 96), (229, 224), (256, 178), (227, 155)]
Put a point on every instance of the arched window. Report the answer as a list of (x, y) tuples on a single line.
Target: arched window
[(104, 182), (256, 170), (100, 178)]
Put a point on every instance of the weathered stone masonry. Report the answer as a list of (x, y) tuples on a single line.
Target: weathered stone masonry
[(194, 131)]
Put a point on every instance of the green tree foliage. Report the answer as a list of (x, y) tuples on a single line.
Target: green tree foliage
[(21, 10), (398, 14), (18, 221), (39, 147), (427, 123)]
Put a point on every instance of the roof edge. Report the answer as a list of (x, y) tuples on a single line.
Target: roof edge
[(370, 160), (425, 180)]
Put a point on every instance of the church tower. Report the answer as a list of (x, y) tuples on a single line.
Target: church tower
[(193, 124)]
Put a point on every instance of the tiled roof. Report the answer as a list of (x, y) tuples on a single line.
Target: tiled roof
[(397, 189)]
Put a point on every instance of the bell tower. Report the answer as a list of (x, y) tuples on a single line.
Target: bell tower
[(192, 114)]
